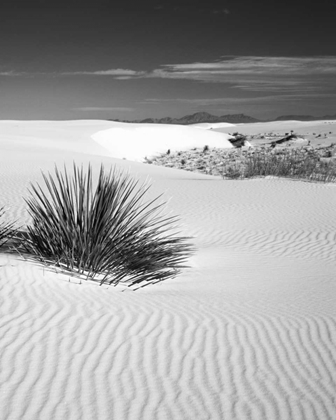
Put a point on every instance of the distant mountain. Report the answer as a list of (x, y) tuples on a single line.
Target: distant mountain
[(205, 117), (166, 120), (199, 117), (305, 118)]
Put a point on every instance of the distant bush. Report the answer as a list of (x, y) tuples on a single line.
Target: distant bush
[(239, 139), (282, 163), (6, 229), (107, 234)]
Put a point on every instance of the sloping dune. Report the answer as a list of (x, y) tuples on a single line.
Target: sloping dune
[(248, 332), (139, 141), (213, 125)]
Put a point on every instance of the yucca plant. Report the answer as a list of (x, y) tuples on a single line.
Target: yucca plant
[(6, 229), (109, 234)]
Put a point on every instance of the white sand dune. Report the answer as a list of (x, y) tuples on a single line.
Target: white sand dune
[(248, 332), (140, 141), (213, 125)]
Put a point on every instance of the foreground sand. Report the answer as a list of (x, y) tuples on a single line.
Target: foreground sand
[(247, 332)]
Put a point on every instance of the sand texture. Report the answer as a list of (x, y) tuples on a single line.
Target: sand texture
[(248, 332)]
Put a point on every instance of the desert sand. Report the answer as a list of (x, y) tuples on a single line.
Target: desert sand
[(247, 332)]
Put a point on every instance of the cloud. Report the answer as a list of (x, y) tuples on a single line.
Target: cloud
[(246, 73), (257, 73), (11, 73), (255, 65), (117, 73), (121, 74)]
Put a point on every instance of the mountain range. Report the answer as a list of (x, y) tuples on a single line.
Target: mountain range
[(205, 117), (202, 117)]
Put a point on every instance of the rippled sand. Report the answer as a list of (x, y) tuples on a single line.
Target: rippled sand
[(248, 332)]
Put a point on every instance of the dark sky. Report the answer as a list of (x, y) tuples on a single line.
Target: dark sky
[(131, 59)]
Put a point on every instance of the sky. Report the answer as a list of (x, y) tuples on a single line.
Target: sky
[(135, 59)]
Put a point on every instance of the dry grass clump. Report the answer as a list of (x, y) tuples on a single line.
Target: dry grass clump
[(6, 229), (108, 234), (295, 163)]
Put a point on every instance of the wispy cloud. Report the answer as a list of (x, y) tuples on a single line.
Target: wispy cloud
[(260, 65), (257, 73), (11, 73), (116, 73), (247, 73)]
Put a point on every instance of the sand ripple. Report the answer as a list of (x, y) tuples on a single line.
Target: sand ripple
[(82, 352)]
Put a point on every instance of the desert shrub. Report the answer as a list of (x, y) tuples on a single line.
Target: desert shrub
[(283, 163), (239, 139), (239, 136), (6, 228), (109, 234), (232, 171)]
